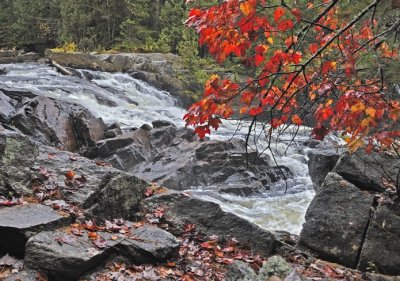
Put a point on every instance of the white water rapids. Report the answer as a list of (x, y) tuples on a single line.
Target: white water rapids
[(274, 210)]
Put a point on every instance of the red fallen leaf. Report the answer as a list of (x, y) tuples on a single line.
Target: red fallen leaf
[(10, 203), (103, 164), (100, 243), (228, 250), (51, 156), (44, 172), (77, 232), (73, 158), (189, 227), (93, 235), (159, 212), (149, 192), (91, 226), (70, 175), (224, 260), (207, 245), (112, 226), (171, 264), (66, 239)]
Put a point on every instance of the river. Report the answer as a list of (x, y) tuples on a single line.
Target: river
[(130, 102)]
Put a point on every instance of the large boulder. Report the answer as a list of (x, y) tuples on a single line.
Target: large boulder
[(17, 154), (64, 256), (151, 245), (171, 156), (19, 223), (373, 171), (336, 221), (59, 124), (320, 163), (381, 249), (210, 219), (28, 168)]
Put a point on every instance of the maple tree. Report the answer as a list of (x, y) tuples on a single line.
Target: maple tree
[(316, 58)]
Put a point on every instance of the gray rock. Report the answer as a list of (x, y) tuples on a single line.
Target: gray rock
[(17, 154), (25, 275), (59, 124), (368, 171), (6, 108), (105, 191), (161, 123), (336, 221), (381, 249), (379, 277), (151, 244), (210, 219), (171, 156), (240, 271), (320, 163), (63, 256), (19, 223), (118, 196)]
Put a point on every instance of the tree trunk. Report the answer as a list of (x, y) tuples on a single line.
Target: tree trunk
[(396, 4)]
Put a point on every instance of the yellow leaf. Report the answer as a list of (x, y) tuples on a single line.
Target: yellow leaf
[(365, 122), (245, 7), (371, 112), (270, 40), (355, 145)]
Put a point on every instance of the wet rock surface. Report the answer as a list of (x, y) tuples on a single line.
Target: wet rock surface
[(19, 223), (171, 156), (104, 191), (320, 164), (336, 221), (210, 219), (63, 256), (381, 249), (369, 171), (151, 244)]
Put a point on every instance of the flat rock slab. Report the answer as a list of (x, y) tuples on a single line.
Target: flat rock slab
[(63, 256), (336, 221), (19, 223), (152, 245)]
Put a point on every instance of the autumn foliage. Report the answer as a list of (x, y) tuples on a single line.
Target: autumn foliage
[(314, 58)]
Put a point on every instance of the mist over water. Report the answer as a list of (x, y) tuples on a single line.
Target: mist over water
[(132, 103)]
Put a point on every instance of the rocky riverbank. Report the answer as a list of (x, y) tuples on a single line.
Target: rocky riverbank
[(82, 199)]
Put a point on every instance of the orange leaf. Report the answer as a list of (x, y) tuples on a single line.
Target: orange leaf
[(297, 120), (70, 175), (246, 8), (93, 235)]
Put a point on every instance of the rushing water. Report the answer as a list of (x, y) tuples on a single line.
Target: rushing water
[(135, 103)]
